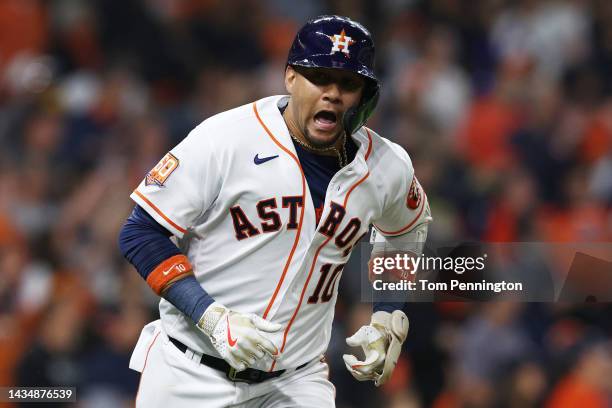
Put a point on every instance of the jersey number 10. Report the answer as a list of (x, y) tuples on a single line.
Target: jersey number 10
[(328, 292)]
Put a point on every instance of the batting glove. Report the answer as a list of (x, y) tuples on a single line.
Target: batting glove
[(238, 337), (381, 342)]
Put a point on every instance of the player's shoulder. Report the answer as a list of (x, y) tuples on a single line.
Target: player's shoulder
[(386, 156)]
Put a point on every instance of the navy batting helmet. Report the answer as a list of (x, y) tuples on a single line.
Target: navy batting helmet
[(339, 43)]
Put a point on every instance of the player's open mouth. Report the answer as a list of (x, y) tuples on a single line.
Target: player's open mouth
[(326, 120)]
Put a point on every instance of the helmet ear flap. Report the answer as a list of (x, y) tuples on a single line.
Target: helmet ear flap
[(356, 117)]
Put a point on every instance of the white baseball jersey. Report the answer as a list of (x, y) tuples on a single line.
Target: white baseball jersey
[(235, 195)]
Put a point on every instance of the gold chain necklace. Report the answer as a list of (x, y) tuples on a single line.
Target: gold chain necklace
[(342, 156)]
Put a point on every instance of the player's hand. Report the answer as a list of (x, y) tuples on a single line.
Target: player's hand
[(381, 342), (238, 337)]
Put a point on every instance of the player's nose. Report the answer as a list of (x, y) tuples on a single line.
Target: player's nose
[(332, 93)]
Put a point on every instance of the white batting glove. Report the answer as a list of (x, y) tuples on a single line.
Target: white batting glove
[(238, 337), (381, 342)]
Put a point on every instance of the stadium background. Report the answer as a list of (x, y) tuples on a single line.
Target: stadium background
[(504, 106)]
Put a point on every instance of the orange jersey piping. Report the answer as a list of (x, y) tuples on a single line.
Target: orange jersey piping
[(299, 230)]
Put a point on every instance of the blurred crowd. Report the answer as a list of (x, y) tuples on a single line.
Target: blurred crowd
[(504, 106)]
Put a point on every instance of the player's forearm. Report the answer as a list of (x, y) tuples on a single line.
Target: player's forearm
[(411, 242), (188, 296), (387, 306), (146, 245)]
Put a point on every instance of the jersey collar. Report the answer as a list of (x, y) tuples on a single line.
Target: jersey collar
[(268, 109)]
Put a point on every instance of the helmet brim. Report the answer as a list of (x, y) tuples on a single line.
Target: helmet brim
[(332, 62)]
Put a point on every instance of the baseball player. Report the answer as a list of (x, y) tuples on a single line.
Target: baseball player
[(243, 230)]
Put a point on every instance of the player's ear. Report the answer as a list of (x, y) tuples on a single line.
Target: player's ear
[(290, 76)]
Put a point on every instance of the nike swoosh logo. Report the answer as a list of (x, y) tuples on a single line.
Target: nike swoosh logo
[(257, 160), (232, 342), (167, 271)]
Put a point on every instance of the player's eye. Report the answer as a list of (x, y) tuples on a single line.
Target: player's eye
[(350, 84), (320, 78)]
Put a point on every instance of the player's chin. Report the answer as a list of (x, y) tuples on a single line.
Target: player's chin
[(323, 137)]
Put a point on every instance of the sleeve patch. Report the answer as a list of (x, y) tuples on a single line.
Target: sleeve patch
[(414, 195), (160, 173)]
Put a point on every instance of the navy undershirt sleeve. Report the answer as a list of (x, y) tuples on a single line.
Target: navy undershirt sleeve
[(189, 297), (387, 306), (145, 244)]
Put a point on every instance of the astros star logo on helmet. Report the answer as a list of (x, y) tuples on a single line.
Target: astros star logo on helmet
[(341, 42)]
